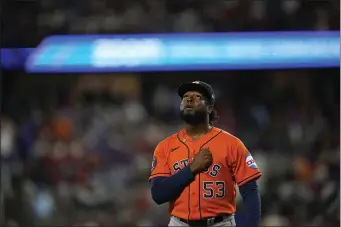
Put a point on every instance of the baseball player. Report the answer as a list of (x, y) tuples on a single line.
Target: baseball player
[(197, 169)]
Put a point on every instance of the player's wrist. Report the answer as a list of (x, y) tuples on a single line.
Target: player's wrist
[(194, 170), (190, 173)]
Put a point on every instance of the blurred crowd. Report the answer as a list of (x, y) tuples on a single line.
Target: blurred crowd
[(76, 150), (26, 23)]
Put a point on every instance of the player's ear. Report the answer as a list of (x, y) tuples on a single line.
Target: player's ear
[(209, 109)]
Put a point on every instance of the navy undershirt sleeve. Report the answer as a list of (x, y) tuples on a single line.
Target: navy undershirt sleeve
[(165, 189), (252, 203)]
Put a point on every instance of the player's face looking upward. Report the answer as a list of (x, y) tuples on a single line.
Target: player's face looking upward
[(194, 109)]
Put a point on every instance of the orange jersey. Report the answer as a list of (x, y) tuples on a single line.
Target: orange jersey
[(213, 192)]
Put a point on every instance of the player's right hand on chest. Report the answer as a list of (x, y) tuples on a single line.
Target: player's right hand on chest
[(201, 161)]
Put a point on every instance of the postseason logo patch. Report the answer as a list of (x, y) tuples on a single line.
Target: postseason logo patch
[(250, 162), (154, 162)]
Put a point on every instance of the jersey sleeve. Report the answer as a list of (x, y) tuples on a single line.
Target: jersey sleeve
[(160, 166), (245, 168)]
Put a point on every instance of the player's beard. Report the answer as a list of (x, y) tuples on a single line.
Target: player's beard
[(195, 118)]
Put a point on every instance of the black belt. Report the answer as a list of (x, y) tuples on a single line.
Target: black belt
[(204, 222)]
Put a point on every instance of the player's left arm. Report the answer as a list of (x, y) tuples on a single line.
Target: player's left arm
[(246, 173)]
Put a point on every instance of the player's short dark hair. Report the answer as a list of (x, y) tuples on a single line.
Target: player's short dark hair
[(213, 117)]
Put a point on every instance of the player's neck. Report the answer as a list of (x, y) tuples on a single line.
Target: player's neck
[(197, 130)]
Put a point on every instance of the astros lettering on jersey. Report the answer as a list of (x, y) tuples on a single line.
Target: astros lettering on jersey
[(232, 165)]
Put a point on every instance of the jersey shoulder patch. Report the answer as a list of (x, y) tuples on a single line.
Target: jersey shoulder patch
[(250, 162), (154, 163)]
